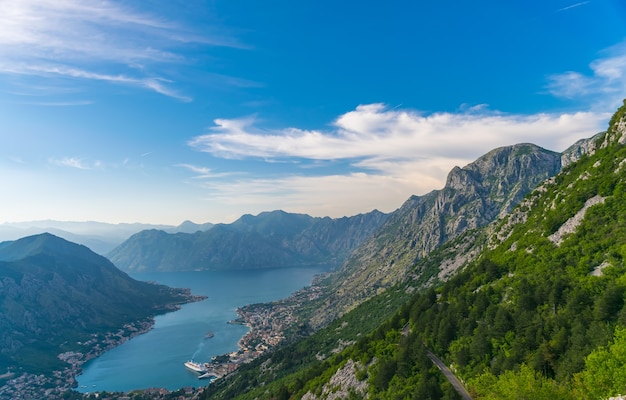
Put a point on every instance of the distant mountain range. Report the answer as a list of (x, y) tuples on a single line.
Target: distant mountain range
[(472, 197), (98, 236), (55, 295), (270, 239)]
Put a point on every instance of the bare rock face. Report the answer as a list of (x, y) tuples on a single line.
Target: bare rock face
[(617, 132), (571, 224), (342, 384), (473, 196), (621, 132), (579, 149)]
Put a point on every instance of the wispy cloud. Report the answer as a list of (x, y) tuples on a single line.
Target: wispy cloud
[(204, 172), (384, 154), (156, 84), (104, 41), (375, 136), (74, 162), (605, 84)]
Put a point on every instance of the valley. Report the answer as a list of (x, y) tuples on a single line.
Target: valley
[(512, 272)]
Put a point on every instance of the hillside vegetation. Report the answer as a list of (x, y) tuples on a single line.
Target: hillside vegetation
[(472, 197), (538, 313), (55, 296)]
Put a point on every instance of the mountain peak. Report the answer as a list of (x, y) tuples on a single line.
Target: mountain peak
[(473, 196), (37, 244)]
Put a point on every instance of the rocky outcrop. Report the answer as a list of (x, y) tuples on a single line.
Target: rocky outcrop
[(343, 385), (579, 149), (571, 224), (616, 134)]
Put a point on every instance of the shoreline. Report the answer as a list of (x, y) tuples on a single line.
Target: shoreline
[(59, 382), (267, 325)]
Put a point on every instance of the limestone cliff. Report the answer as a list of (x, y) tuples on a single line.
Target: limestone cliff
[(473, 196)]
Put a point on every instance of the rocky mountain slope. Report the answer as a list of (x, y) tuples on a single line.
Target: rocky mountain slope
[(271, 239), (55, 294), (473, 196), (537, 312)]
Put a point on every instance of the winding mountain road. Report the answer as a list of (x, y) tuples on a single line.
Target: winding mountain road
[(449, 376)]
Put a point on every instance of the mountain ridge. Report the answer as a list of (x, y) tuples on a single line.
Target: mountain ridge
[(270, 239), (526, 316), (472, 197), (55, 294)]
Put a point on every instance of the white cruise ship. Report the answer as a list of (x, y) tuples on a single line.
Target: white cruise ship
[(195, 367)]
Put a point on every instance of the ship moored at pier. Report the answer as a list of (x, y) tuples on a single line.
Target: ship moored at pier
[(195, 367)]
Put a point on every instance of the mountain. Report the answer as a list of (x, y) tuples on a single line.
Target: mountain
[(56, 295), (536, 310), (472, 197), (187, 227), (270, 239), (100, 237)]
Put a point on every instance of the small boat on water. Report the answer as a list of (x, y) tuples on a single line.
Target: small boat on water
[(209, 335), (195, 367)]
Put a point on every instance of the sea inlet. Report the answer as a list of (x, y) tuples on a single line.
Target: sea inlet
[(155, 359)]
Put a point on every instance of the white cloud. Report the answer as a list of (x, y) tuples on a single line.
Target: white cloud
[(204, 172), (79, 39), (73, 162), (391, 155), (375, 136), (605, 84)]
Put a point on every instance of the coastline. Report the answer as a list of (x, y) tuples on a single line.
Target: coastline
[(59, 382), (268, 324)]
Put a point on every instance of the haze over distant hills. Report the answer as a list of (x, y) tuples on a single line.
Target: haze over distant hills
[(268, 240), (100, 237), (473, 196)]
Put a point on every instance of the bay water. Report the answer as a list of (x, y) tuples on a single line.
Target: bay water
[(155, 358)]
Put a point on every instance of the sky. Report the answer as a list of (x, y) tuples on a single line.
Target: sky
[(160, 111)]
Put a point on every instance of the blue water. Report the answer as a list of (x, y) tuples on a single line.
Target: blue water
[(155, 359)]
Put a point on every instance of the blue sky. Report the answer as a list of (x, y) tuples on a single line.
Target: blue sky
[(159, 111)]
